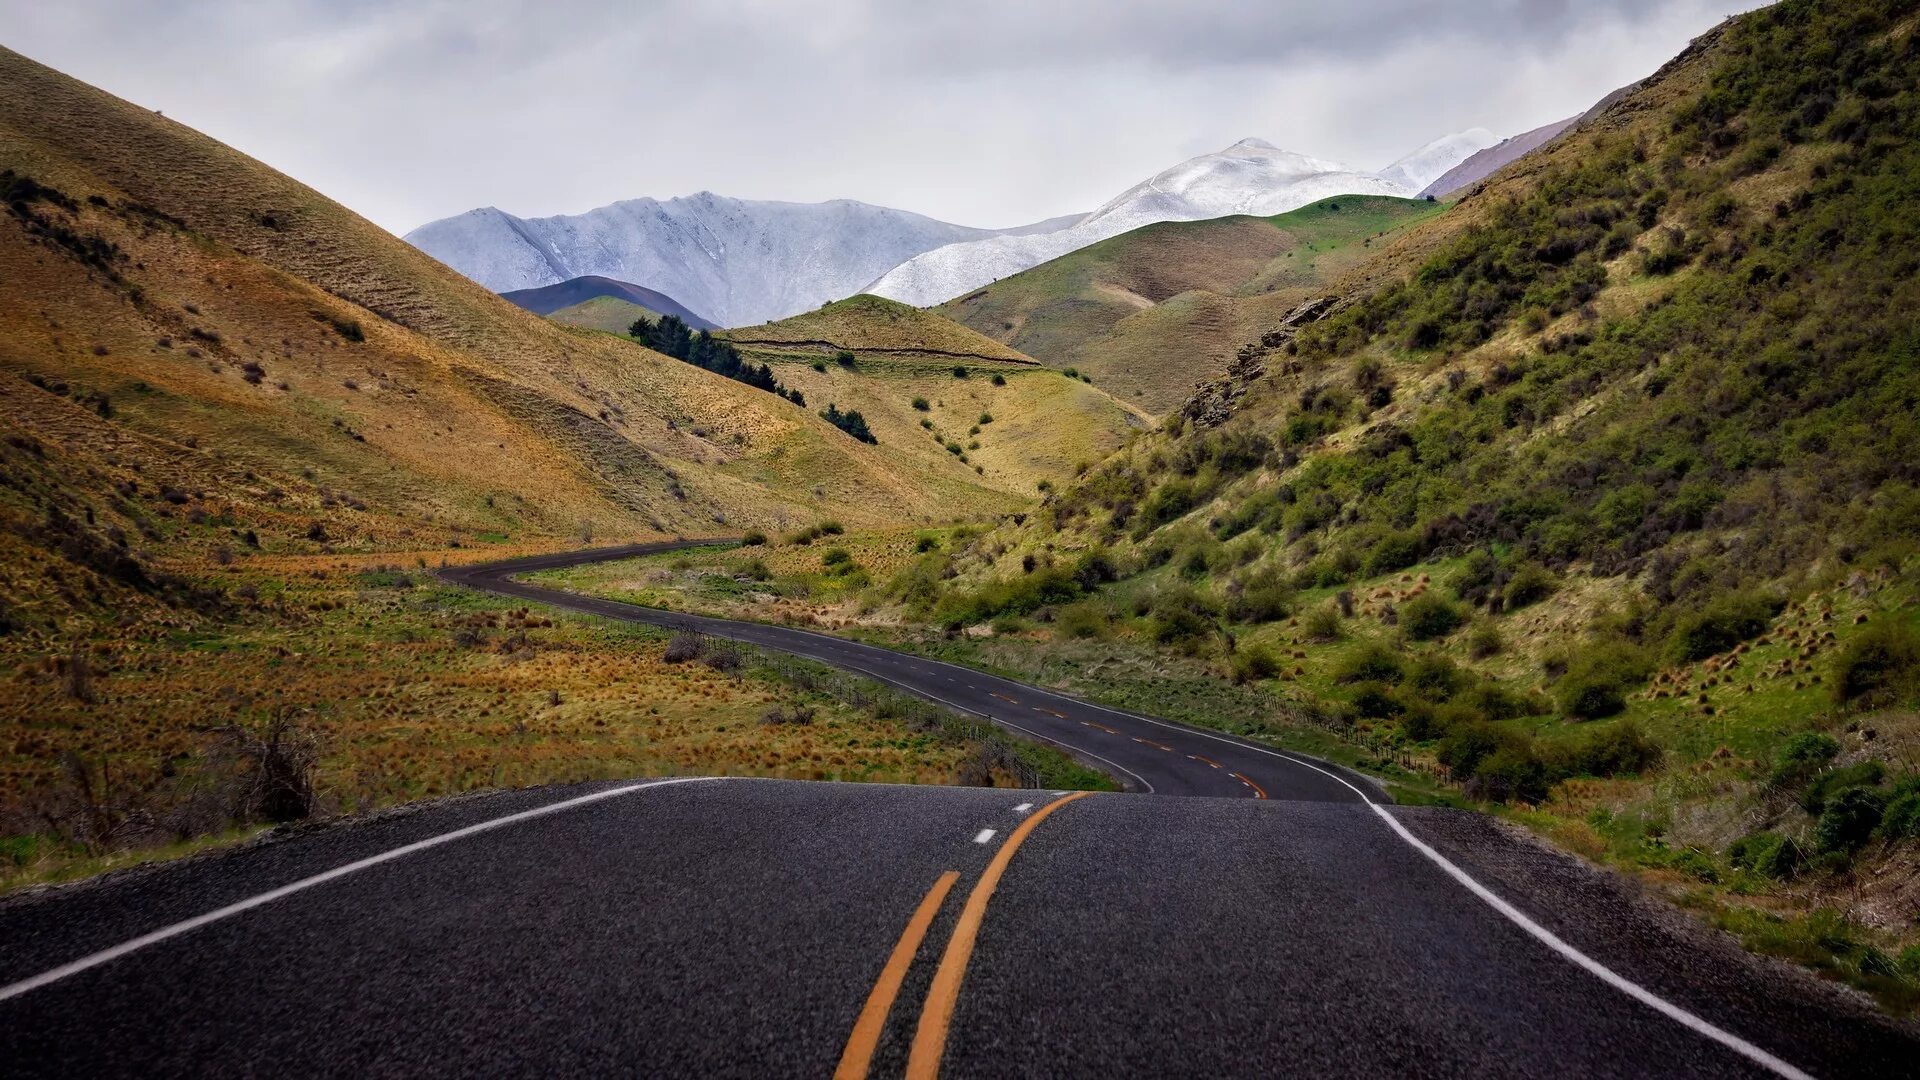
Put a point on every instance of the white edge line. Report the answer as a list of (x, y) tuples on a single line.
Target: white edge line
[(13, 990), (1589, 964)]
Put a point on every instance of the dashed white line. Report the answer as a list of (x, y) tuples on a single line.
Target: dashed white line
[(984, 835), (1023, 808)]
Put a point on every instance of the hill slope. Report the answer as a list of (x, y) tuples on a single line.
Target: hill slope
[(737, 261), (877, 325), (551, 298), (1606, 503), (1152, 312), (241, 324), (608, 314)]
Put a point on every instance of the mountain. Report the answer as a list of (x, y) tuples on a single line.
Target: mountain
[(1420, 168), (1250, 177), (1485, 163), (1151, 312), (736, 261), (551, 298)]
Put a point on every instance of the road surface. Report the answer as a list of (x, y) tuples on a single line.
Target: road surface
[(740, 927)]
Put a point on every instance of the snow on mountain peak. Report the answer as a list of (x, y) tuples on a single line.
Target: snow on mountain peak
[(1427, 164)]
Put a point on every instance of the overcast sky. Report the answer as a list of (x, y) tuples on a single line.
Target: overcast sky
[(984, 112)]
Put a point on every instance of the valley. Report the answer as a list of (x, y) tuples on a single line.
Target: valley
[(1489, 583)]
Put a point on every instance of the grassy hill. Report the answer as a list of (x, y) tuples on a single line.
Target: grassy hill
[(608, 314), (1149, 313), (874, 324), (238, 424), (1598, 499), (549, 299), (940, 393)]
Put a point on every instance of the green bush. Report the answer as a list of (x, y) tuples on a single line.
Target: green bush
[(1512, 772), (1086, 619), (1429, 616), (1804, 755), (1485, 640), (1253, 663), (1902, 819), (1371, 662), (1721, 625), (1596, 685), (1376, 701), (1849, 819), (1180, 615), (1831, 784), (1621, 748), (1322, 624), (1265, 598), (920, 404), (1767, 853), (1435, 678), (1530, 584), (1394, 551), (1878, 665), (753, 538)]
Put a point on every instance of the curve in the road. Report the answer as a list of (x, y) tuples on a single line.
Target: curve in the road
[(1145, 753)]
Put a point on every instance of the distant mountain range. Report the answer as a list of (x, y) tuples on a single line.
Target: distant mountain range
[(548, 299), (742, 262), (737, 261)]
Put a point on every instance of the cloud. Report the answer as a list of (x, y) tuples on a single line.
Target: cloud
[(994, 112)]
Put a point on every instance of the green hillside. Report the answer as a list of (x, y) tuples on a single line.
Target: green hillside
[(1150, 312), (607, 313), (1607, 509)]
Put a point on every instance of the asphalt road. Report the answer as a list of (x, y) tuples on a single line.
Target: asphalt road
[(740, 927), (1147, 755)]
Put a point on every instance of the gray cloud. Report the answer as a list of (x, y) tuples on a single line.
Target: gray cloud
[(993, 113)]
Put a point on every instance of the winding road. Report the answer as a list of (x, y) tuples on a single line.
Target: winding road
[(1280, 918)]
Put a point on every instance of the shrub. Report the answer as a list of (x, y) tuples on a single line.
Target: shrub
[(843, 358), (1086, 619), (1621, 748), (1394, 551), (959, 371), (1254, 663), (1376, 701), (755, 570), (1429, 616), (1803, 756), (1530, 584), (1435, 678), (1902, 818), (836, 557), (999, 379), (1849, 820), (924, 544), (831, 527), (1267, 599), (1180, 615), (1512, 772), (1878, 664), (753, 538), (920, 404), (1721, 625), (1322, 624), (1591, 697), (820, 365), (1485, 640), (1767, 853), (1371, 662), (1596, 685), (682, 647), (1830, 785)]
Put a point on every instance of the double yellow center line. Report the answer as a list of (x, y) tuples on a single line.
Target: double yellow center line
[(936, 1014)]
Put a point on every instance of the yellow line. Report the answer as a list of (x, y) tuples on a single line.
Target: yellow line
[(930, 1038), (858, 1055)]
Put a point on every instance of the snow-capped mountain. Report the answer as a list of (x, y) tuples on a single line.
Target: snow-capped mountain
[(1427, 164), (1249, 177), (738, 261)]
